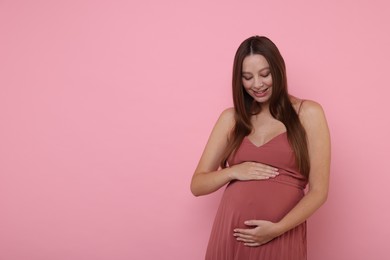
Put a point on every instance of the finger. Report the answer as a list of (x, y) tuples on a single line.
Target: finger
[(260, 176), (251, 223), (245, 240), (254, 244), (264, 166), (265, 170), (263, 176), (274, 169), (243, 236), (243, 231), (263, 173), (268, 170)]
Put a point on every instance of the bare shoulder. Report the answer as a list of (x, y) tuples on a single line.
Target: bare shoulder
[(227, 117), (312, 116), (228, 113), (310, 110), (298, 102)]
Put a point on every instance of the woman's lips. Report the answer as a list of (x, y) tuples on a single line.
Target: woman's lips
[(261, 93)]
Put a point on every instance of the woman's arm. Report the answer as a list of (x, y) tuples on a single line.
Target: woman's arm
[(207, 178), (314, 122)]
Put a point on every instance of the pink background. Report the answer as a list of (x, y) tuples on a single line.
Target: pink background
[(105, 107)]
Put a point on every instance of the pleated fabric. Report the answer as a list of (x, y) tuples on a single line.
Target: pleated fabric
[(268, 200)]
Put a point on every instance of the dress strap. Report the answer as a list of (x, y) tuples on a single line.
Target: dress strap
[(300, 105)]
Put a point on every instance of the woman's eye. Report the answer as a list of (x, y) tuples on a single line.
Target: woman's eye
[(247, 78), (265, 75)]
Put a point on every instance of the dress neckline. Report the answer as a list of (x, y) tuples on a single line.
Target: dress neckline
[(269, 141)]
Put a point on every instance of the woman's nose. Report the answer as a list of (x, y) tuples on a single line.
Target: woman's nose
[(258, 83)]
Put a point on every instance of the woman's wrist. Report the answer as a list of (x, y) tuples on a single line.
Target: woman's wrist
[(279, 229), (230, 173)]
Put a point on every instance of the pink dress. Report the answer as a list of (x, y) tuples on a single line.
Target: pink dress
[(268, 199)]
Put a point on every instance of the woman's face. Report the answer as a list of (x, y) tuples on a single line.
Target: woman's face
[(257, 78)]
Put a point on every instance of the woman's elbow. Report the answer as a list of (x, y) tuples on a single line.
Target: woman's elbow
[(196, 194), (194, 191), (322, 196), (195, 188)]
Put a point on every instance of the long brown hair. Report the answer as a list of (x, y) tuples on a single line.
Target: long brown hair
[(280, 105)]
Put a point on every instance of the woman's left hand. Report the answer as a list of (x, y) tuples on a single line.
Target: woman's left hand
[(264, 232)]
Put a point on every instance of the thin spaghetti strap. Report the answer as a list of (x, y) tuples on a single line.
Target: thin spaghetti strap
[(300, 105)]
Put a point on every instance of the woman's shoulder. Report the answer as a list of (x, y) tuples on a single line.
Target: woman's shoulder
[(228, 112), (305, 106), (310, 108), (311, 114), (224, 124), (227, 116)]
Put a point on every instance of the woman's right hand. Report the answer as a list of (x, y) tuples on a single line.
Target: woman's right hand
[(253, 171)]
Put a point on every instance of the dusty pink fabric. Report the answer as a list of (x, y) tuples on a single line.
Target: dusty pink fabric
[(263, 200)]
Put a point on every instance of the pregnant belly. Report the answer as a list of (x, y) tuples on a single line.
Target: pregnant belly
[(265, 200)]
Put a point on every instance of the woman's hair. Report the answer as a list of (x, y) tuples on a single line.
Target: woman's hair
[(280, 105)]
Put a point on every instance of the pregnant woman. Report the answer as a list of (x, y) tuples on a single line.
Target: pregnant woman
[(267, 149)]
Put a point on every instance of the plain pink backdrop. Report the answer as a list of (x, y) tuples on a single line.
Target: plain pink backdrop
[(105, 107)]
